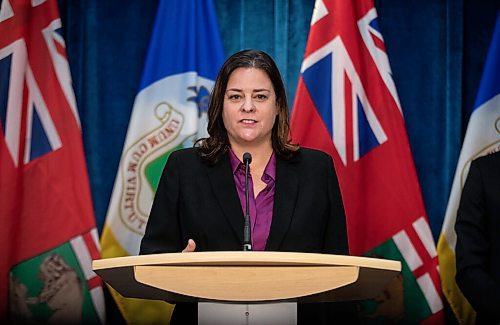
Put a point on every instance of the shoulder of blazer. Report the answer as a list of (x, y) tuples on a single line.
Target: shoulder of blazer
[(491, 161), (188, 158), (191, 157), (185, 154)]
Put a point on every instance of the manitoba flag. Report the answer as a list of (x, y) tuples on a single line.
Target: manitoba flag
[(47, 234), (347, 106)]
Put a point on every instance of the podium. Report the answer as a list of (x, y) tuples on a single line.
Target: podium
[(247, 277)]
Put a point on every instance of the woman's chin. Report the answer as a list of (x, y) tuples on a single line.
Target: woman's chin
[(248, 140)]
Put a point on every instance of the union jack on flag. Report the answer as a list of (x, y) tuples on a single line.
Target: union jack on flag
[(48, 236), (347, 105), (41, 134), (328, 95)]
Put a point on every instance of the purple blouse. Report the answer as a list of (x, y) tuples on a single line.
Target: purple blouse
[(261, 208)]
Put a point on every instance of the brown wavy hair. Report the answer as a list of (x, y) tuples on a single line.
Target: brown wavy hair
[(213, 147)]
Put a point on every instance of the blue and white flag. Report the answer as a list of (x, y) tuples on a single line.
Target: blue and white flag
[(170, 112), (482, 137)]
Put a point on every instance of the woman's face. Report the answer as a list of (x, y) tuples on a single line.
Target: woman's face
[(249, 109)]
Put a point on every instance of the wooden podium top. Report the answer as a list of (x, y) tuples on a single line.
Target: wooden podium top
[(247, 276)]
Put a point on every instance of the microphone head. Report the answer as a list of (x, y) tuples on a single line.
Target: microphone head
[(247, 157)]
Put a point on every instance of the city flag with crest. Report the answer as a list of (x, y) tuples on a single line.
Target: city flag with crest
[(347, 106), (48, 236), (169, 113)]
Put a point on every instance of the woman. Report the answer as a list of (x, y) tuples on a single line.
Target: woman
[(296, 204)]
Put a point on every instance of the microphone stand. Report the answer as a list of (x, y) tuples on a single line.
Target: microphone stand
[(247, 238)]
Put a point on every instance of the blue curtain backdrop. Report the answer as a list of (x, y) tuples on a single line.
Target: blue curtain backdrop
[(436, 48)]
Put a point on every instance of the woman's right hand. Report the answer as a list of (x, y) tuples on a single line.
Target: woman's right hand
[(190, 247)]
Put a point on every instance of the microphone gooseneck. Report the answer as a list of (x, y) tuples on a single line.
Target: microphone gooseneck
[(247, 238)]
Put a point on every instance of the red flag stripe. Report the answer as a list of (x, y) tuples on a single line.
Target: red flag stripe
[(91, 243), (94, 282), (378, 42)]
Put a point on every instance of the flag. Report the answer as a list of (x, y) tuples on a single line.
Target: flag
[(482, 137), (170, 112), (48, 236), (347, 106)]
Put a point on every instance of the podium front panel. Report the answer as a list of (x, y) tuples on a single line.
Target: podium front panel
[(247, 276)]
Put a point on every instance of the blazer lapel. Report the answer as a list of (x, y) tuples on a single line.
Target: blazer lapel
[(285, 197), (224, 189)]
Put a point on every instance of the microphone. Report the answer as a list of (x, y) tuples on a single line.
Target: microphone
[(247, 241)]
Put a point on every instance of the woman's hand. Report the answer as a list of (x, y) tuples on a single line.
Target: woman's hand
[(190, 247)]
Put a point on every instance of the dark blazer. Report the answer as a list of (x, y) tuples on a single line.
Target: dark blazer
[(198, 201), (478, 239)]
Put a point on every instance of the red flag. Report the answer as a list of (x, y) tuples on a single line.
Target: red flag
[(347, 105), (48, 236)]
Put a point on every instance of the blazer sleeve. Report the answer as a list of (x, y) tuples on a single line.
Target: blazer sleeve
[(162, 233), (473, 246), (335, 241)]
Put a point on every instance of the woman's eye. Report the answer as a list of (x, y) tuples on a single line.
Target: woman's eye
[(234, 97), (261, 97)]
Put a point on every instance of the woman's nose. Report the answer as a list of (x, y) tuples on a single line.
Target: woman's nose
[(248, 105)]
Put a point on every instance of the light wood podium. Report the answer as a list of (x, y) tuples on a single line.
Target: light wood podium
[(247, 277)]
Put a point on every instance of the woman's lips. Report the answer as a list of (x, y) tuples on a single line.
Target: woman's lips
[(248, 121)]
